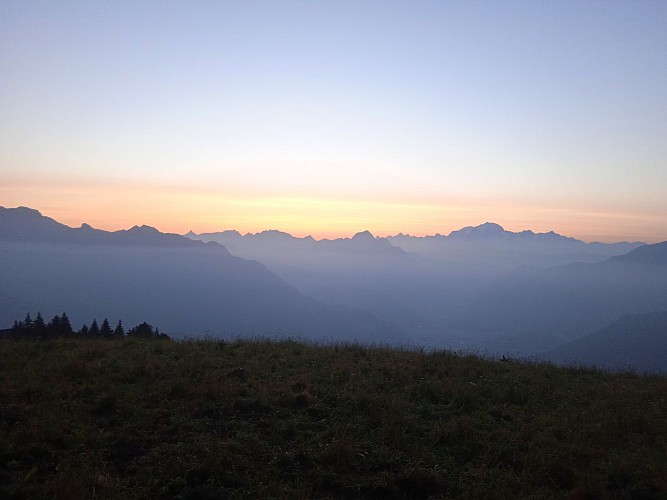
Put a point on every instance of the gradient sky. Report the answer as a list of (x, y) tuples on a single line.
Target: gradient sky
[(329, 117)]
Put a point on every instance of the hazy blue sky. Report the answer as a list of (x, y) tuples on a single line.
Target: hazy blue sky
[(330, 117)]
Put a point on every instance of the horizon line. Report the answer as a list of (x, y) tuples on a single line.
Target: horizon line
[(347, 236)]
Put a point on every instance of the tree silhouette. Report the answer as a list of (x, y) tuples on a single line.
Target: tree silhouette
[(54, 327), (38, 325), (142, 330), (65, 325), (119, 331), (105, 329), (60, 325), (94, 329)]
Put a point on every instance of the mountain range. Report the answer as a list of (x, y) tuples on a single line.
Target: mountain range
[(491, 244), (479, 288), (185, 287)]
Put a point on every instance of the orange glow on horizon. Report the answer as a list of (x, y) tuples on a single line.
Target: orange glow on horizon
[(172, 210)]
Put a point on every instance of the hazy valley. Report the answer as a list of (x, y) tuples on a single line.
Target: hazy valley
[(481, 289)]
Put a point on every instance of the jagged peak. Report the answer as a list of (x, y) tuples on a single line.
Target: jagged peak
[(143, 229)]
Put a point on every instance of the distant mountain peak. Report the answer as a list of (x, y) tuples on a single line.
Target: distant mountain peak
[(143, 230), (275, 232), (491, 226), (190, 234), (25, 210), (488, 229), (28, 224), (493, 231), (647, 254), (363, 236), (274, 235), (25, 213)]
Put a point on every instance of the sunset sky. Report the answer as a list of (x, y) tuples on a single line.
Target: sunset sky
[(330, 117)]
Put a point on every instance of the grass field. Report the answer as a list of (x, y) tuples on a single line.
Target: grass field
[(133, 418)]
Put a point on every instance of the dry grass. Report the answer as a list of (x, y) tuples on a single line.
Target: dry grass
[(86, 418)]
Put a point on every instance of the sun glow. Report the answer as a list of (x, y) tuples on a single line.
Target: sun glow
[(170, 209), (339, 117)]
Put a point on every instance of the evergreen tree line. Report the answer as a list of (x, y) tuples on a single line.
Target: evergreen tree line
[(61, 326)]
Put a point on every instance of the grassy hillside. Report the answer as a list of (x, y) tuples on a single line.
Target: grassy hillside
[(137, 418)]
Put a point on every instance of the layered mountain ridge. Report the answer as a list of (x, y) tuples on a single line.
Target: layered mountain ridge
[(633, 341), (186, 287), (481, 287)]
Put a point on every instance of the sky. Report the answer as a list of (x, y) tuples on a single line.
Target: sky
[(331, 117)]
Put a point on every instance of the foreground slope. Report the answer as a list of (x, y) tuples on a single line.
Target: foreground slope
[(184, 286), (140, 419)]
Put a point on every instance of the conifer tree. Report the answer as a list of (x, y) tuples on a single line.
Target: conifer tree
[(144, 330), (54, 326), (94, 329), (38, 325), (65, 325), (105, 329), (84, 330), (119, 331), (27, 322)]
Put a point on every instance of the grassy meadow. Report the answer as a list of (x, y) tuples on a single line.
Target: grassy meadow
[(134, 418)]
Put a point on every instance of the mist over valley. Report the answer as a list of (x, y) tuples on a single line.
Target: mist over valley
[(480, 289)]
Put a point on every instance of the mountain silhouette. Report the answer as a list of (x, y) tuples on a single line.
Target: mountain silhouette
[(30, 226), (362, 271), (486, 230), (481, 287), (491, 245), (637, 341), (573, 300), (649, 254), (430, 285), (186, 287)]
